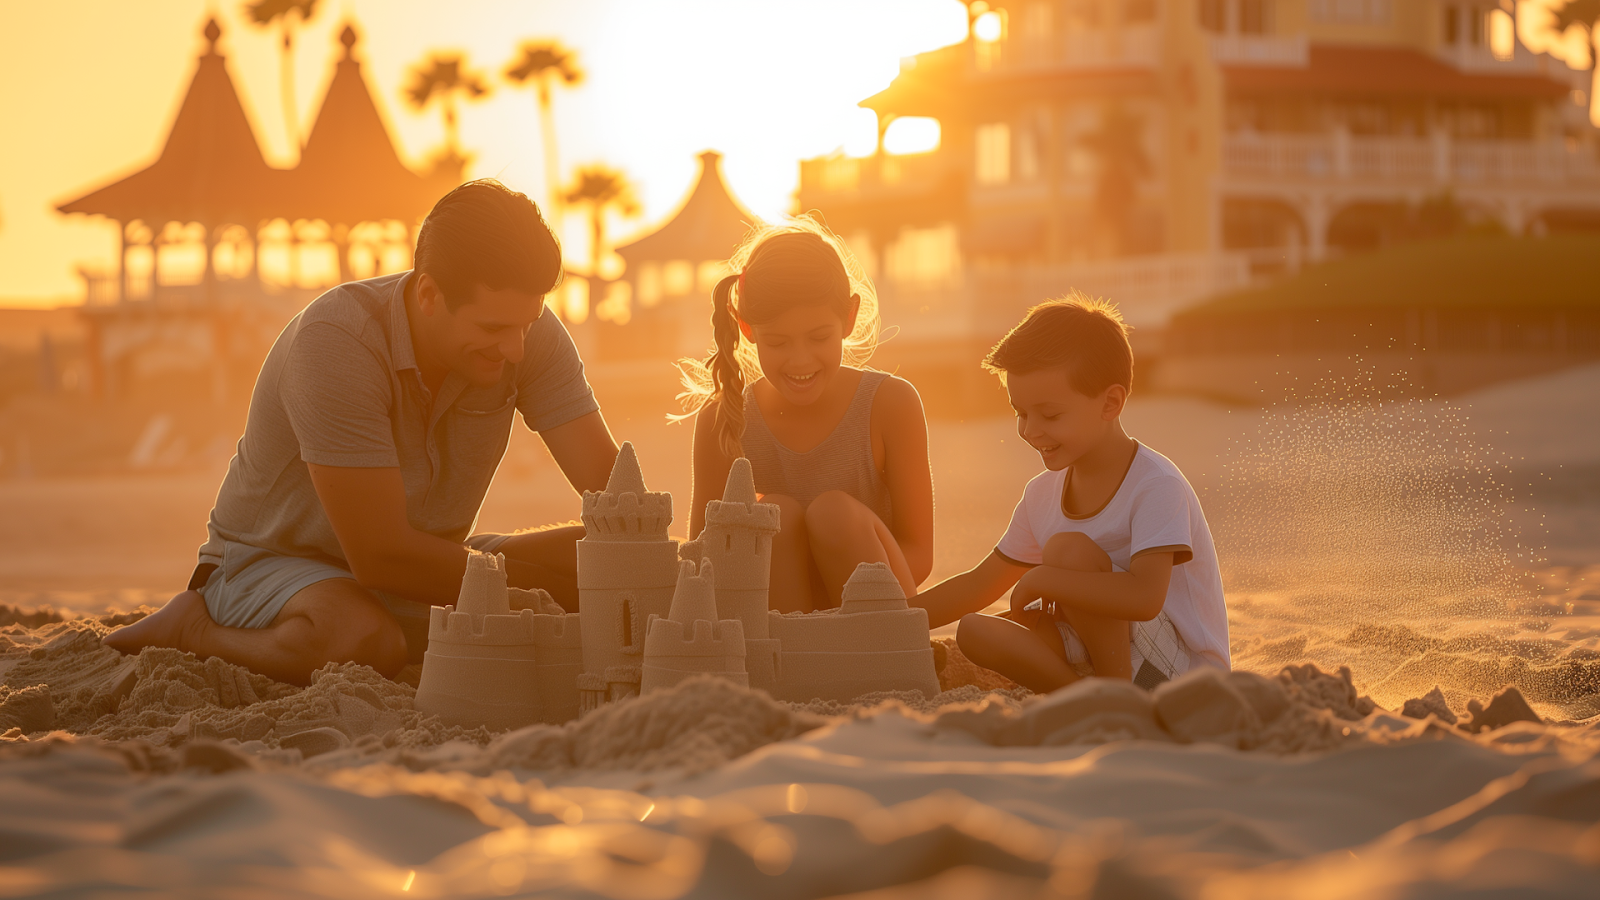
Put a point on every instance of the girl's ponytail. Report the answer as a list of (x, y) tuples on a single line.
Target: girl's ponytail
[(727, 377)]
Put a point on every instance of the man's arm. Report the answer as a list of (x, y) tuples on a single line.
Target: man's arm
[(970, 591), (1136, 595), (584, 449), (367, 508)]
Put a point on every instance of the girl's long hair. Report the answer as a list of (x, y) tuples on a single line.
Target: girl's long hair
[(776, 268)]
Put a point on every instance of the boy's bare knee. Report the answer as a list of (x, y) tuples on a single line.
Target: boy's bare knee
[(1075, 550)]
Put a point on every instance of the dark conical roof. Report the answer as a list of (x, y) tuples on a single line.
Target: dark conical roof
[(349, 171), (709, 224), (211, 169)]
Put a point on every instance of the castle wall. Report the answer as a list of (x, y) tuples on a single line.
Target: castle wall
[(866, 632), (621, 584), (845, 676)]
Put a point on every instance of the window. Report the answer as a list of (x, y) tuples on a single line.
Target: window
[(1477, 18), (1214, 15), (911, 134), (1139, 10), (1351, 12), (1038, 21), (993, 154), (924, 257), (677, 277), (1255, 17), (649, 284), (1452, 25)]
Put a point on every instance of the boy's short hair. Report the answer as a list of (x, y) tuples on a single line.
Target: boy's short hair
[(485, 233), (1083, 335)]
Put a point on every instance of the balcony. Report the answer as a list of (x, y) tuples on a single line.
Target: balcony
[(1405, 161), (849, 179), (1132, 47), (1261, 50)]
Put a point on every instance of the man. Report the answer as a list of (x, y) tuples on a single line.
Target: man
[(375, 428)]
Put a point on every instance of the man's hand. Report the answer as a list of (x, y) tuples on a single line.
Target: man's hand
[(584, 449)]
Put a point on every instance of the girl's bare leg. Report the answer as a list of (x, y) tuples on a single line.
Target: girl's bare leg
[(790, 584), (1023, 646), (843, 533), (1106, 638)]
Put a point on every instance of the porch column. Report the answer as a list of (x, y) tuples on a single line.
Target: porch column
[(1317, 215), (122, 260)]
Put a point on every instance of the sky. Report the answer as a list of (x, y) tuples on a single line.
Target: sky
[(92, 87)]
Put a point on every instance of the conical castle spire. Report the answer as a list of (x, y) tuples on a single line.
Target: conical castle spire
[(626, 476), (741, 487), (626, 510)]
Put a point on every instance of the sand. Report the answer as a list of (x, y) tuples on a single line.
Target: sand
[(160, 772), (1414, 711)]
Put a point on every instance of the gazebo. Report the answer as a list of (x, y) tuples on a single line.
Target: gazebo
[(671, 270), (211, 182)]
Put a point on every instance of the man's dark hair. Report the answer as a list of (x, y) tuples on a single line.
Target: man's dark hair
[(485, 233), (1084, 336)]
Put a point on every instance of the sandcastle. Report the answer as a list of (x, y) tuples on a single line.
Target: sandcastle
[(874, 641), (489, 665), (648, 619), (693, 639), (738, 541)]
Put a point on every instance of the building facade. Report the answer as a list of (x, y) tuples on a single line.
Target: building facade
[(1157, 151)]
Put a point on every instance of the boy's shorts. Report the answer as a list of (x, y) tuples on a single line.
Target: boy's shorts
[(253, 596), (1158, 653)]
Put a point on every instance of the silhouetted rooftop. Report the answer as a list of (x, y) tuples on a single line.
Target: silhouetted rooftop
[(709, 224), (211, 169), (349, 171)]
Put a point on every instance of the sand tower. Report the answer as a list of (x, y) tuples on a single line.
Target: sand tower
[(488, 665), (627, 570), (874, 641), (738, 541), (691, 640)]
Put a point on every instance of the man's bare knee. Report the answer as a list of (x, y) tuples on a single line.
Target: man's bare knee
[(1076, 551)]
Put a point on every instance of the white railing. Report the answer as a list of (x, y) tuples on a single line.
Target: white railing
[(1480, 58), (1261, 50), (1135, 46), (1437, 159)]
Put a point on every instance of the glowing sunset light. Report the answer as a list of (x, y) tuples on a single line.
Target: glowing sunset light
[(767, 84)]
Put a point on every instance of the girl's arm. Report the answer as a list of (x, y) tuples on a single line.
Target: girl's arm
[(903, 429), (711, 467)]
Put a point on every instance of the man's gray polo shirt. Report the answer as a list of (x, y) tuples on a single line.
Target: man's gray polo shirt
[(341, 387)]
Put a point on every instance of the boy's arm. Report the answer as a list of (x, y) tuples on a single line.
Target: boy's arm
[(970, 591), (1136, 595)]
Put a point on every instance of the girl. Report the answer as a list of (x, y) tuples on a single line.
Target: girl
[(841, 449)]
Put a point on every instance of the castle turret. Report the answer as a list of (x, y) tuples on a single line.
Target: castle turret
[(691, 641), (738, 541), (627, 569), (489, 665)]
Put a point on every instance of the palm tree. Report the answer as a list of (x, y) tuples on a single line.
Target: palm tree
[(1118, 145), (543, 62), (262, 14), (1586, 15), (442, 77), (604, 190)]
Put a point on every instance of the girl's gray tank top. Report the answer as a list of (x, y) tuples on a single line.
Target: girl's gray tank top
[(842, 462)]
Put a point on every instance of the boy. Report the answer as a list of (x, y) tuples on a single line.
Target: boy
[(1108, 557)]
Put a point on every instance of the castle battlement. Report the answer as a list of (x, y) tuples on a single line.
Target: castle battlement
[(626, 510), (691, 640)]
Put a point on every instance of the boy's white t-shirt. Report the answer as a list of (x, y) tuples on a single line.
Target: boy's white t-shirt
[(1153, 509)]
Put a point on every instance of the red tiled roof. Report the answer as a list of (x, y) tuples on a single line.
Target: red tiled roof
[(1335, 69)]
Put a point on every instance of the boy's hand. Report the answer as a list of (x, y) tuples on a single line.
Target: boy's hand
[(1026, 589)]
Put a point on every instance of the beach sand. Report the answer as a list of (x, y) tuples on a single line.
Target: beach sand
[(1366, 746)]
